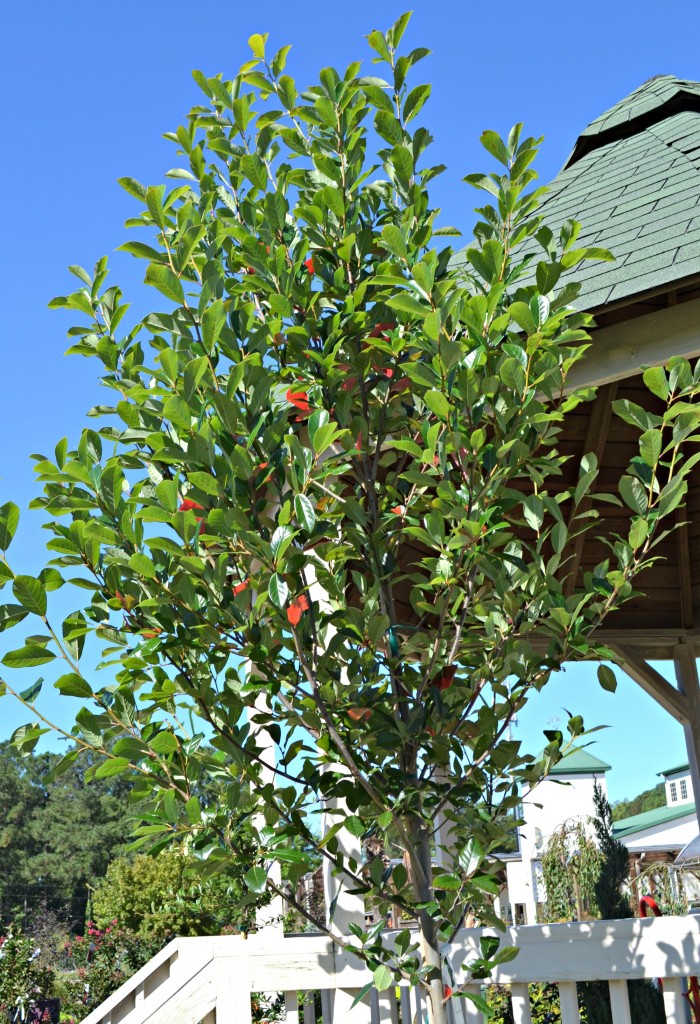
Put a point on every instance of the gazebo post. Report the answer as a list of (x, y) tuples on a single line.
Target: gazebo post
[(686, 666)]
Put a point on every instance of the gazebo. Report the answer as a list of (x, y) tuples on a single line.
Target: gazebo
[(633, 180)]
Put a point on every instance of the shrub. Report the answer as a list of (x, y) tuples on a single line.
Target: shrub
[(22, 978)]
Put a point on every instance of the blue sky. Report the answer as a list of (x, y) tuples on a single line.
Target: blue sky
[(89, 88)]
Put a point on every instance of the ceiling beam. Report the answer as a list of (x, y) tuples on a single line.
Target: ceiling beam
[(653, 683), (622, 349)]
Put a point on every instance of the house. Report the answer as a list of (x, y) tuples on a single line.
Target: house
[(654, 837)]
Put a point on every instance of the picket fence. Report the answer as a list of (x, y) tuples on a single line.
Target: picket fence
[(212, 979)]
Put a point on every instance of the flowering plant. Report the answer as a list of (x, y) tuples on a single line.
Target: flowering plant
[(23, 979)]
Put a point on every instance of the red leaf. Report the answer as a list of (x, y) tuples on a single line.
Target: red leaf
[(188, 505), (309, 264), (240, 587), (380, 329), (443, 680), (297, 608), (359, 714), (300, 399)]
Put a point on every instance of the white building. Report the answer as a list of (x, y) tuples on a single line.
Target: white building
[(566, 795)]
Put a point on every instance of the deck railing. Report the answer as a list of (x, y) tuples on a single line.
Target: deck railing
[(211, 980)]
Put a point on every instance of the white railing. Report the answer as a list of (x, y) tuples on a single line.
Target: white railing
[(211, 979)]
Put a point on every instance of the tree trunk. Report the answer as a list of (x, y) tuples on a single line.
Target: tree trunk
[(429, 941)]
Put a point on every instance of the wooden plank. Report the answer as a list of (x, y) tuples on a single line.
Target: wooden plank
[(653, 683), (620, 1003), (622, 349), (309, 1008), (291, 1007), (568, 1001), (585, 950), (596, 436), (387, 1006), (471, 1014), (233, 990), (683, 563), (520, 996), (675, 1005)]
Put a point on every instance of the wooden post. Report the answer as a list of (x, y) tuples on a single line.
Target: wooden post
[(686, 667)]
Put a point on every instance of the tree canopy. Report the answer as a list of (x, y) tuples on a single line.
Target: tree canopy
[(320, 521)]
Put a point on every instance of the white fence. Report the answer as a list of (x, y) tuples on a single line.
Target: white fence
[(210, 980)]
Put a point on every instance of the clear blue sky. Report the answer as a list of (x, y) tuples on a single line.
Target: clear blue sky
[(90, 87)]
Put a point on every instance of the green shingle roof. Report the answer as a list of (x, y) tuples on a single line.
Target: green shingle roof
[(579, 762), (659, 816), (633, 181), (677, 768)]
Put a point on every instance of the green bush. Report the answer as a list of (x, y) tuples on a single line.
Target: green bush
[(163, 896)]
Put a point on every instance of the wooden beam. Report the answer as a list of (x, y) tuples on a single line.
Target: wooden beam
[(686, 665), (622, 349), (596, 436), (653, 683), (684, 579)]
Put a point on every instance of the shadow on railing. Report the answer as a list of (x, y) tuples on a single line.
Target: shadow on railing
[(210, 980)]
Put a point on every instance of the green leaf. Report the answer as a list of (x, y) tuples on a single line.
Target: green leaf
[(257, 44), (494, 144), (305, 512), (164, 743), (633, 493), (383, 978), (639, 531), (378, 43), (449, 882), (437, 403), (114, 766), (278, 591), (9, 520), (27, 657), (168, 283), (142, 565), (256, 879), (657, 382), (672, 495), (471, 856), (30, 594), (73, 685), (533, 510), (213, 320), (606, 678)]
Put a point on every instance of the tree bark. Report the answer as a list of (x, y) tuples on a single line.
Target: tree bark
[(429, 940)]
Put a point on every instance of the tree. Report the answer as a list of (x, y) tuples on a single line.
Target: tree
[(323, 519), (56, 837), (610, 895)]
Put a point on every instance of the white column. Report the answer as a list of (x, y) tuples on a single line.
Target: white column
[(270, 917)]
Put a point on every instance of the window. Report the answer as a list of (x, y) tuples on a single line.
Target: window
[(684, 789), (674, 794)]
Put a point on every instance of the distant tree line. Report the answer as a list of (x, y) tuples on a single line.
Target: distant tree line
[(649, 800)]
